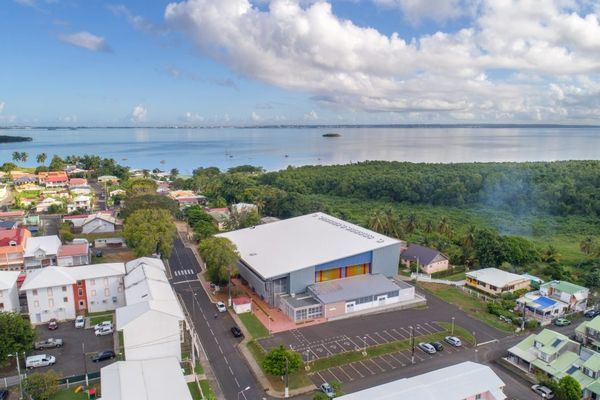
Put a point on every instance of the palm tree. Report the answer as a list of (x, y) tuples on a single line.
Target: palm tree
[(587, 245), (41, 158), (24, 156), (377, 222), (411, 223), (392, 223), (469, 237), (146, 173), (550, 255), (444, 226), (16, 156), (428, 228)]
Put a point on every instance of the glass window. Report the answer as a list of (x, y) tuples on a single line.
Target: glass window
[(65, 299), (49, 292)]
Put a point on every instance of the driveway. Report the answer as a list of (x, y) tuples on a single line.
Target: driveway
[(70, 357)]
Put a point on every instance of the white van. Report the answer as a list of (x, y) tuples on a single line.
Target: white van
[(41, 360)]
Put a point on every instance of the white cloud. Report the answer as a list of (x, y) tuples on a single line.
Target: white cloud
[(255, 117), (86, 40), (436, 10), (192, 117), (1, 106), (311, 116), (138, 22), (469, 73), (68, 119), (139, 114)]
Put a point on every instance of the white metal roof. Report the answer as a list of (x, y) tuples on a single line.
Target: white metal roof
[(496, 277), (8, 279), (456, 382), (155, 379), (49, 244), (59, 276), (150, 261), (131, 312), (289, 245)]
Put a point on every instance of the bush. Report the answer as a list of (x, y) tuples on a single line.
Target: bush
[(274, 362), (448, 272)]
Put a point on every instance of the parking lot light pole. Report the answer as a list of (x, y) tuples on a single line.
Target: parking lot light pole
[(20, 377), (452, 331), (242, 391), (286, 393), (85, 364), (412, 341), (365, 344)]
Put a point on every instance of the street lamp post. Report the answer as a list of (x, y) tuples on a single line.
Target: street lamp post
[(365, 344), (286, 393), (452, 331), (412, 343), (242, 391), (20, 377), (85, 364), (229, 288)]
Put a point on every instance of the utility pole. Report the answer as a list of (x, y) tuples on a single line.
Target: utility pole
[(452, 331), (85, 364), (523, 318), (412, 343), (20, 377), (287, 390), (229, 288)]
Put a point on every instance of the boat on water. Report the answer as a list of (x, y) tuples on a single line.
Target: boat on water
[(331, 134)]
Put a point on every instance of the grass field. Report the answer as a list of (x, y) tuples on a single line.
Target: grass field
[(254, 326), (468, 303), (207, 390), (69, 394), (112, 255), (455, 277), (96, 319)]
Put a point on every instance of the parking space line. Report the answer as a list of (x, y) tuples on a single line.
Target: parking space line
[(399, 334), (398, 361), (434, 327), (382, 338), (367, 368), (407, 332), (369, 336), (326, 349), (390, 335), (321, 376), (344, 372), (378, 366), (357, 371), (387, 362), (418, 356), (429, 329), (404, 355), (352, 341), (331, 372)]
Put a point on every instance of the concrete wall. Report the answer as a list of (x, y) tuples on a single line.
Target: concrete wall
[(334, 309), (100, 293), (152, 335), (299, 280), (10, 299), (253, 280), (435, 267), (70, 261), (49, 303), (385, 260)]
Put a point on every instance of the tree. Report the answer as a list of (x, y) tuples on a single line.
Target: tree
[(568, 389), (24, 156), (173, 174), (149, 230), (41, 158), (444, 226), (220, 256), (411, 223), (149, 201), (139, 187), (274, 362), (41, 386), (550, 255), (243, 219), (56, 164), (587, 245), (16, 156), (204, 229), (16, 335)]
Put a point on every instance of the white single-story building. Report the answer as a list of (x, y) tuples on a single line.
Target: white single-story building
[(9, 294), (464, 381), (99, 223), (73, 254), (153, 321), (303, 257), (496, 281), (154, 379), (242, 305), (41, 251)]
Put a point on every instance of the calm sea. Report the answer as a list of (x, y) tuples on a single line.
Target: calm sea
[(276, 148)]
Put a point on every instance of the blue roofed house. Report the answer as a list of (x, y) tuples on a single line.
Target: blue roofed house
[(553, 300)]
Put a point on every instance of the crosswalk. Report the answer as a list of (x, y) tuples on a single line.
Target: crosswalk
[(183, 272)]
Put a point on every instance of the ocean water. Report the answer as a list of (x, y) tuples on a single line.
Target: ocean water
[(276, 148)]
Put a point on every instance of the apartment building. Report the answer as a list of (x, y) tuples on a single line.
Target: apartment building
[(12, 248)]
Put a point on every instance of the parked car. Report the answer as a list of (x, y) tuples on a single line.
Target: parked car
[(221, 306), (3, 394), (562, 322), (426, 347), (41, 360), (543, 391), (453, 340), (327, 389), (80, 321), (437, 346), (48, 344), (103, 324), (98, 253), (103, 355), (107, 330), (505, 319), (52, 324), (237, 332), (591, 313)]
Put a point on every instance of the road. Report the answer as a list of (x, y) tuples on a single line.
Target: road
[(219, 344), (100, 195)]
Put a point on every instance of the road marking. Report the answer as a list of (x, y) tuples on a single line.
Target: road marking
[(369, 336), (367, 368), (378, 366), (230, 370), (344, 372), (336, 378), (321, 376), (177, 283), (326, 349), (236, 381), (389, 334), (398, 361), (407, 332), (434, 327), (220, 349), (382, 338), (386, 361), (351, 341), (404, 355), (357, 371), (225, 358), (398, 333)]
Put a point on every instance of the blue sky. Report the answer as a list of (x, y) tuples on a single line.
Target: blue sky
[(236, 62)]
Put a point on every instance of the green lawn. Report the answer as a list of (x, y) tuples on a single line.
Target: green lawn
[(455, 277), (194, 391), (254, 326), (96, 319), (207, 390), (468, 303), (69, 394)]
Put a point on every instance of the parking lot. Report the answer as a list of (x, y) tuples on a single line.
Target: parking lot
[(69, 358), (319, 348), (370, 367)]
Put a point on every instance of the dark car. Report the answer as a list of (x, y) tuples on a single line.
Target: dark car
[(591, 313), (3, 394), (98, 253), (53, 324), (437, 346), (237, 332), (103, 355)]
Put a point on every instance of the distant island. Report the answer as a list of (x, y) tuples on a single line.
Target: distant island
[(331, 135), (13, 139)]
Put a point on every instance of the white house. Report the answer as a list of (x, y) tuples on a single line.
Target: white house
[(464, 381), (80, 202), (41, 251), (45, 204), (240, 208), (152, 322), (99, 223), (64, 292), (73, 254), (9, 295), (155, 379)]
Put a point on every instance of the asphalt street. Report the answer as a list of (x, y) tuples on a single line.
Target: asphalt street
[(219, 344)]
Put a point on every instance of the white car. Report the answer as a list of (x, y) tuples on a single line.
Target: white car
[(543, 391), (328, 390), (221, 307), (80, 321), (103, 324), (427, 348), (107, 330), (453, 340), (40, 360)]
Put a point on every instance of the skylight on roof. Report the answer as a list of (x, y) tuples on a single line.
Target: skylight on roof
[(556, 342), (571, 370)]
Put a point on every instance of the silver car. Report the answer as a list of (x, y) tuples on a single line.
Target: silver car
[(427, 348), (327, 389), (543, 391), (453, 340)]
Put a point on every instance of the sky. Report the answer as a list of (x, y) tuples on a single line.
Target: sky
[(267, 62)]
